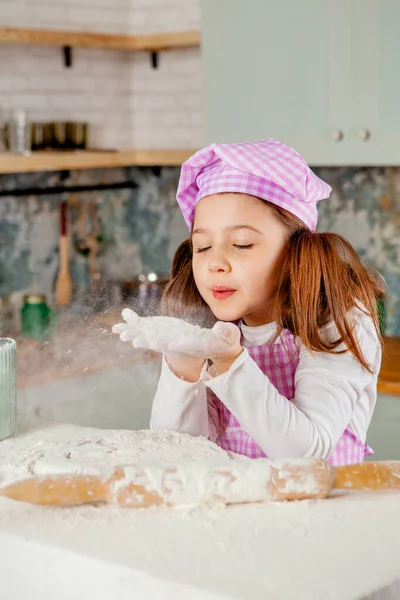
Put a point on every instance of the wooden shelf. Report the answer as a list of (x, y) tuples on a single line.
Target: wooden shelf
[(59, 161), (52, 161), (129, 43)]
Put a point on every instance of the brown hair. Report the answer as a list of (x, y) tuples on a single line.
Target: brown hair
[(321, 278)]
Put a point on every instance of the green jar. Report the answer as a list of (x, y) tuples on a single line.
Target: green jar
[(8, 387), (381, 310), (37, 318)]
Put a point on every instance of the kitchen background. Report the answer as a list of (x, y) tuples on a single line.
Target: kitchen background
[(140, 228), (131, 105), (122, 219)]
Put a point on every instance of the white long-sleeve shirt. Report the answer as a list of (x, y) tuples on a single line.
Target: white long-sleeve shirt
[(332, 392)]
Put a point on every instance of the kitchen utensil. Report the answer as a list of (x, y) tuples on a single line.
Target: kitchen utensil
[(77, 134), (8, 397), (144, 292), (63, 284), (88, 244), (195, 483), (59, 135), (70, 135), (7, 321), (41, 135)]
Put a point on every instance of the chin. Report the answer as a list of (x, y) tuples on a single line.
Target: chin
[(225, 313)]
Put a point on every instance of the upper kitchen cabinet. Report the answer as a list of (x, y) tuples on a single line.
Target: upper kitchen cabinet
[(320, 75)]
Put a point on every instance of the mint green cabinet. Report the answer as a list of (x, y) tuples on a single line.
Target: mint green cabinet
[(321, 75)]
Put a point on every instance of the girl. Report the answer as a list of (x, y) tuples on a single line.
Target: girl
[(290, 368)]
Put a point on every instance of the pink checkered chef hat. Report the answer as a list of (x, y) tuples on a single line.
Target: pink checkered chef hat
[(267, 169)]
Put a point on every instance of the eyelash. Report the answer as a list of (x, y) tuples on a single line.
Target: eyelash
[(239, 246)]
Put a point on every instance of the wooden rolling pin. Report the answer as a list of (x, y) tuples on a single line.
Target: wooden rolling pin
[(198, 483)]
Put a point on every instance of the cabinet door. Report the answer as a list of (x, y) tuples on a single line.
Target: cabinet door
[(278, 69), (374, 136)]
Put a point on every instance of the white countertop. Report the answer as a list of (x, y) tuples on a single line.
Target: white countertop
[(342, 548)]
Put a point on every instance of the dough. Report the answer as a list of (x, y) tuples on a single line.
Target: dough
[(100, 451)]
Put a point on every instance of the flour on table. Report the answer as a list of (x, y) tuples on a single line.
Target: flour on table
[(175, 469), (238, 553), (100, 451)]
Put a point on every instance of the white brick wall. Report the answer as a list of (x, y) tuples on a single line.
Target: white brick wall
[(164, 15), (167, 102), (127, 103), (109, 16)]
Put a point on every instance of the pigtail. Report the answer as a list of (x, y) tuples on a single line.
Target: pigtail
[(181, 297), (321, 280)]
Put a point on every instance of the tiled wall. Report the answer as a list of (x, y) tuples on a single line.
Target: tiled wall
[(365, 208), (127, 103), (141, 228)]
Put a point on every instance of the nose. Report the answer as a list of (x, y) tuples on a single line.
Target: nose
[(218, 262)]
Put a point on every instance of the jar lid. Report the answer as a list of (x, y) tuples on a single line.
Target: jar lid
[(34, 299)]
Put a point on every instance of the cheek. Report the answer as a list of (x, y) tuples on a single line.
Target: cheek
[(260, 274), (196, 269)]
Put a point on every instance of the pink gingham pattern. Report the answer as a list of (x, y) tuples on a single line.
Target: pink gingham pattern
[(267, 169), (279, 362)]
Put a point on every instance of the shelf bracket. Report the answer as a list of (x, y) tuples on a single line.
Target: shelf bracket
[(67, 53), (154, 60)]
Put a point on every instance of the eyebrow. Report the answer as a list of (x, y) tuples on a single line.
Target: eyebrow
[(230, 228)]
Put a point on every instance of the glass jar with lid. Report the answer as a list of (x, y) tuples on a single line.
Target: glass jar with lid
[(37, 318)]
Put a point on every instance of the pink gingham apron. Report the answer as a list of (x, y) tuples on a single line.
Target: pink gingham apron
[(279, 362)]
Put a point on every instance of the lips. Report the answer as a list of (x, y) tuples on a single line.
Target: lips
[(221, 292)]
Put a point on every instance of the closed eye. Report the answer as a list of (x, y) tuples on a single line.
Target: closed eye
[(244, 246), (202, 249)]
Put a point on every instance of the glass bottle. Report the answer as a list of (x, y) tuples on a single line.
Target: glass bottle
[(19, 133), (8, 387)]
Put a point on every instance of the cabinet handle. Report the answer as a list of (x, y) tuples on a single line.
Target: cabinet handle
[(337, 135), (364, 135)]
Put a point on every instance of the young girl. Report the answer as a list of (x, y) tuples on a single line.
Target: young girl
[(290, 368)]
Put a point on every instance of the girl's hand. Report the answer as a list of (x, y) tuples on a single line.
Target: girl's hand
[(169, 335), (221, 343), (152, 333)]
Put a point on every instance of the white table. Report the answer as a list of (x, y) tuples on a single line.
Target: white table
[(339, 548)]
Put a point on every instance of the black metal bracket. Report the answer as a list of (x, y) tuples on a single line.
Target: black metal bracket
[(154, 60), (67, 53), (67, 56), (65, 189)]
